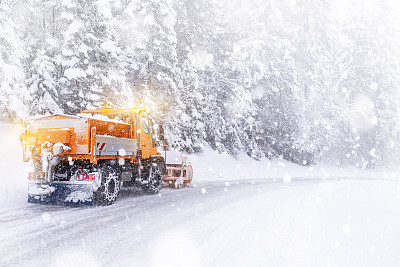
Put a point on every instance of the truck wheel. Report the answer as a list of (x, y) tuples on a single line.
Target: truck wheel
[(153, 179), (108, 191)]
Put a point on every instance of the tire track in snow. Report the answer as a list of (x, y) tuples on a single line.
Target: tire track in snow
[(90, 225)]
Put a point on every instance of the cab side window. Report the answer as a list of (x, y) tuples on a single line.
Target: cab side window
[(137, 124), (145, 123)]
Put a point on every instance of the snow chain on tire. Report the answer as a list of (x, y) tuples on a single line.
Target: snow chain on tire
[(153, 176), (110, 185)]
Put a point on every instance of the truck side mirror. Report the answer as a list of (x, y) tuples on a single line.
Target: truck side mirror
[(159, 143)]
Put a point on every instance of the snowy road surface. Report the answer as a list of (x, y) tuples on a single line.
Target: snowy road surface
[(260, 223)]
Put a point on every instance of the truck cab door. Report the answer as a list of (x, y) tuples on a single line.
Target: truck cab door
[(146, 137)]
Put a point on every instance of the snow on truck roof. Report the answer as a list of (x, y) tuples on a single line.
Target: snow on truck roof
[(80, 115), (38, 117), (113, 111), (99, 117)]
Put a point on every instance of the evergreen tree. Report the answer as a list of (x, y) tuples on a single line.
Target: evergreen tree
[(372, 83), (13, 92), (89, 60)]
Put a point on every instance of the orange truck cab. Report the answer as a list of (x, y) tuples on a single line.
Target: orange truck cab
[(87, 158)]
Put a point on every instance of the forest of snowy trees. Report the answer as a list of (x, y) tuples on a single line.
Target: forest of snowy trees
[(309, 80)]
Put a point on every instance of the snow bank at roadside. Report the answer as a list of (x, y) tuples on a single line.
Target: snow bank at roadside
[(13, 171), (211, 166)]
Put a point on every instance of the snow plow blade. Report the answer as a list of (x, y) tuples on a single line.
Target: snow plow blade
[(61, 194), (179, 175)]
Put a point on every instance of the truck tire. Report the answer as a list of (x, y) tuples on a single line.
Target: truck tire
[(109, 188), (152, 178)]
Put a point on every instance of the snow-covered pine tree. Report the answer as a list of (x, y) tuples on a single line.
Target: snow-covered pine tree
[(315, 55), (194, 30), (42, 85), (148, 39), (372, 81), (41, 38), (89, 62), (13, 92), (229, 114), (267, 67)]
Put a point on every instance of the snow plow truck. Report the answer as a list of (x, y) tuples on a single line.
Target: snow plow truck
[(87, 158)]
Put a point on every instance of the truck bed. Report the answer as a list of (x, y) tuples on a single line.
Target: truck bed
[(110, 138)]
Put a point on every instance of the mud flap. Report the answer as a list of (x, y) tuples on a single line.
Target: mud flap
[(61, 194)]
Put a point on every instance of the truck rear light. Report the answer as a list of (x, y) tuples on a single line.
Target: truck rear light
[(84, 177), (31, 175)]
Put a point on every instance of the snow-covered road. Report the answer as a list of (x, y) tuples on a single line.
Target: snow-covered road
[(261, 223)]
